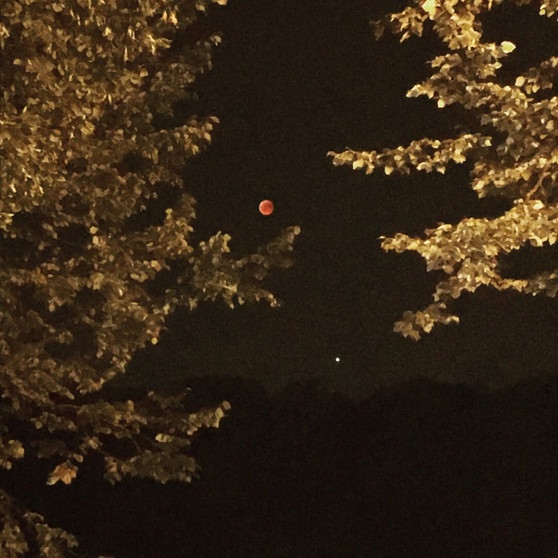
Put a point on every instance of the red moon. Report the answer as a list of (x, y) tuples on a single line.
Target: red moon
[(266, 207)]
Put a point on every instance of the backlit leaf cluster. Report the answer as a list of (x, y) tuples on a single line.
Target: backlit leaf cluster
[(514, 156), (89, 271)]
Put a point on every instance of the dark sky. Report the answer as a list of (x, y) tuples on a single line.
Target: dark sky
[(291, 81)]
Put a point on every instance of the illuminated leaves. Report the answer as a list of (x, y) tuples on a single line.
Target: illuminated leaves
[(96, 234), (519, 161), (548, 8), (16, 527), (411, 325), (415, 323), (416, 154), (468, 254), (216, 275), (10, 450), (159, 466), (507, 47), (430, 7), (65, 473)]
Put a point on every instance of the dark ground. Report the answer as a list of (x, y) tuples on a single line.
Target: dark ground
[(424, 470)]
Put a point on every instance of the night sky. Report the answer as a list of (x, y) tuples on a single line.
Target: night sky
[(291, 81), (455, 456)]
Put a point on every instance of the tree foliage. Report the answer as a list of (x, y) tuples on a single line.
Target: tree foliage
[(96, 244), (514, 155)]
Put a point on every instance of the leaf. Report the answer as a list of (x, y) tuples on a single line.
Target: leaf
[(507, 47), (64, 472), (429, 6)]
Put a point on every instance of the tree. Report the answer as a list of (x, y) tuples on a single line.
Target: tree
[(96, 238), (513, 149)]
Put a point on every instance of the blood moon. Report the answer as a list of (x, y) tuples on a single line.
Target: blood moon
[(266, 207)]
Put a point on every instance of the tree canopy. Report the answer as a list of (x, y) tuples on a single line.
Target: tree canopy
[(513, 150), (96, 246)]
